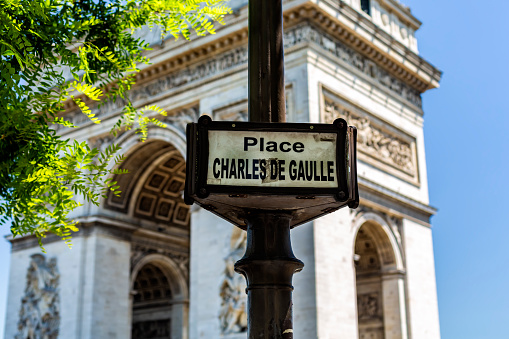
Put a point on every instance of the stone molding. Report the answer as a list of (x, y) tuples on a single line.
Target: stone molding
[(361, 34), (238, 110), (394, 203), (143, 247), (179, 118), (378, 143), (402, 12), (235, 111), (229, 50), (393, 222), (229, 60), (39, 316), (148, 92), (310, 34)]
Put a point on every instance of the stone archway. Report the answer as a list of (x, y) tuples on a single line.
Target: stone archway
[(381, 310), (151, 203), (159, 299), (368, 269), (152, 304), (151, 190)]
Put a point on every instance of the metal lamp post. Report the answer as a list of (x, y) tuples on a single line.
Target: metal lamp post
[(267, 176), (269, 262)]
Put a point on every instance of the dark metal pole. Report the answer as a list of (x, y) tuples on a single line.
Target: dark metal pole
[(266, 62), (268, 265), (269, 262)]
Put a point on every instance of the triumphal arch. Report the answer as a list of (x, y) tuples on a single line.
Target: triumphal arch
[(146, 265)]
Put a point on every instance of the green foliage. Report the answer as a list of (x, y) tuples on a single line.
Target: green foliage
[(42, 174)]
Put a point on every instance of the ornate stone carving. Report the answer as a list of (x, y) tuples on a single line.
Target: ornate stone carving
[(233, 316), (211, 67), (180, 118), (152, 329), (141, 248), (367, 306), (238, 56), (394, 223), (375, 141), (306, 33), (39, 317), (160, 198)]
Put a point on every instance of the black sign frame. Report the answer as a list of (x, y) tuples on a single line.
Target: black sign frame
[(198, 152)]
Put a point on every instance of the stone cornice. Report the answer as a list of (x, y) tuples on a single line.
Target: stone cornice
[(394, 203), (402, 12), (343, 23), (359, 32), (159, 84)]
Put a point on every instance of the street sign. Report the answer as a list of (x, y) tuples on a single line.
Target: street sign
[(272, 159), (308, 169)]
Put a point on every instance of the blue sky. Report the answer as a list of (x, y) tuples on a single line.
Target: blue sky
[(467, 143)]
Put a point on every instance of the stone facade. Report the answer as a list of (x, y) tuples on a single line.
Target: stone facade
[(145, 265)]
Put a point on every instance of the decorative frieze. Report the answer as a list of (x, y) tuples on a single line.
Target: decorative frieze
[(141, 248), (233, 316), (213, 66), (39, 316), (395, 223), (226, 61), (307, 33), (378, 143)]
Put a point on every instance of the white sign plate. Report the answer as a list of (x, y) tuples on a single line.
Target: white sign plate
[(272, 159)]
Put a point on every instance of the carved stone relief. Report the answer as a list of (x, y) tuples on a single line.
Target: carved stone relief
[(378, 143), (160, 199), (180, 118), (157, 198), (152, 329), (39, 317), (141, 248), (233, 316), (224, 62), (367, 306), (394, 223), (306, 33)]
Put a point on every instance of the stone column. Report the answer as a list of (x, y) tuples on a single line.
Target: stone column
[(394, 307), (180, 319)]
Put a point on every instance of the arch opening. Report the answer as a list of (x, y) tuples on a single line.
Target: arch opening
[(381, 311), (152, 304), (151, 191), (152, 202), (368, 269)]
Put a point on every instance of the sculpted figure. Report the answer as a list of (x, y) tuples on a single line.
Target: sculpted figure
[(40, 313), (233, 316)]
